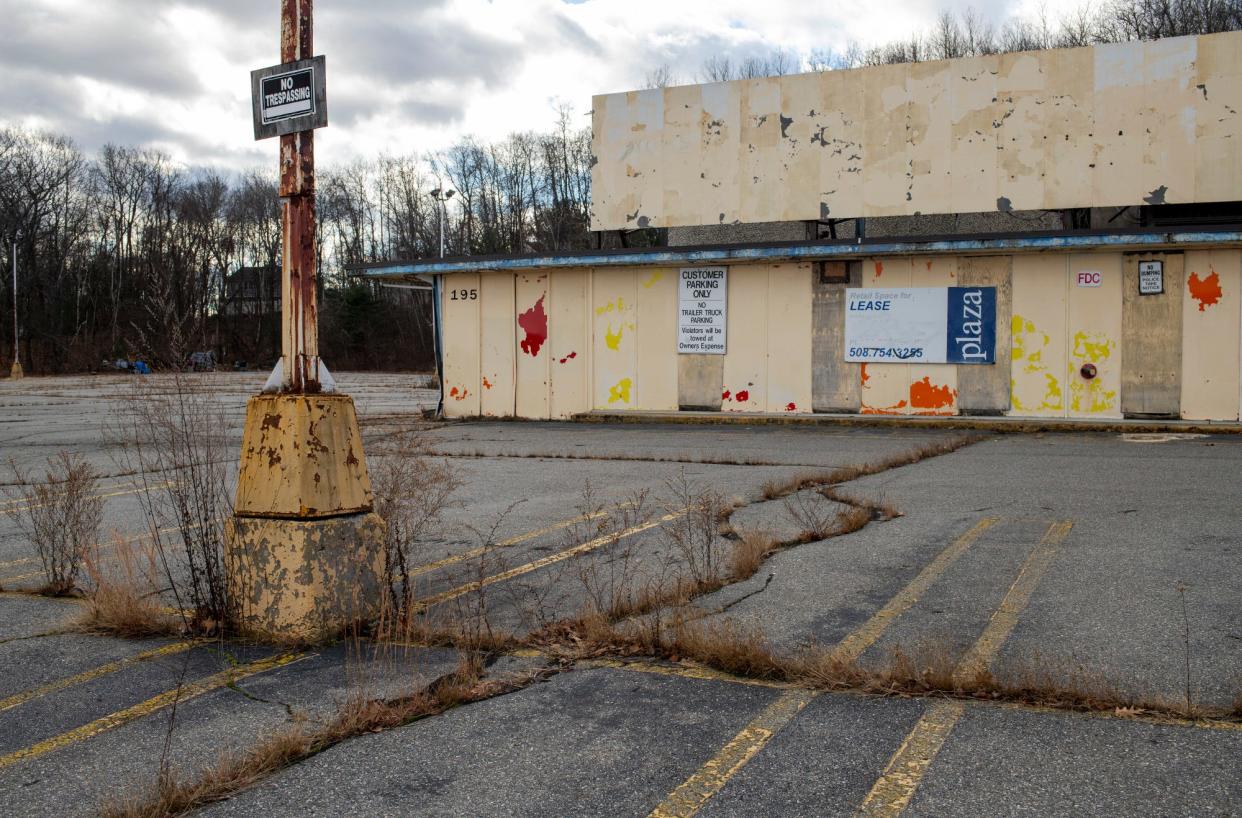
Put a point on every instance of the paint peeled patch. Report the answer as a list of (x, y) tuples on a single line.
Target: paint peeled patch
[(620, 392), (924, 395), (1206, 290), (535, 322)]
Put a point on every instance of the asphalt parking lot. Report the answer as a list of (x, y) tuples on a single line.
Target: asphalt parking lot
[(1100, 560)]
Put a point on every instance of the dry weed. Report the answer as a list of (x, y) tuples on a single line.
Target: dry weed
[(749, 551), (123, 598)]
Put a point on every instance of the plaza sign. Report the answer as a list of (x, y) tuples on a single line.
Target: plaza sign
[(936, 325)]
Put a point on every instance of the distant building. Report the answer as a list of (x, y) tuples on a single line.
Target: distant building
[(252, 291)]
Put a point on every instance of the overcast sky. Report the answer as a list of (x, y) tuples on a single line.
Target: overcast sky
[(404, 76)]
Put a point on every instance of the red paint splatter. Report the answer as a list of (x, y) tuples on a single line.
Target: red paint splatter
[(791, 407), (569, 357), (923, 395), (453, 392), (726, 395), (879, 269), (535, 322), (743, 396), (459, 394), (487, 384), (1206, 291), (865, 376)]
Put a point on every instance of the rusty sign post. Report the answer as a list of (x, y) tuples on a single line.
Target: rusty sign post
[(305, 550)]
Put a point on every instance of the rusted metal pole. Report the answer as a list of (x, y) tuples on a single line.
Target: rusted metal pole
[(299, 313)]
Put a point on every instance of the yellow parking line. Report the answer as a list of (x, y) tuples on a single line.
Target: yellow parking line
[(1005, 618), (892, 792), (94, 673), (551, 559), (521, 538), (696, 672), (152, 705), (852, 646), (23, 505), (99, 546), (698, 789)]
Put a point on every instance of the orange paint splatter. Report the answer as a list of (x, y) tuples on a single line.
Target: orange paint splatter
[(923, 395), (487, 384), (569, 357), (1206, 291), (743, 396), (865, 376), (879, 269), (895, 409), (725, 395), (791, 407), (458, 394), (535, 322), (453, 392)]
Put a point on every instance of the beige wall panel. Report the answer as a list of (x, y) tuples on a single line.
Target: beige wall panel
[(721, 124), (1218, 117), (837, 142), (1094, 336), (929, 123), (1210, 334), (1070, 102), (932, 388), (746, 359), (614, 347), (789, 338), (496, 346), (461, 344), (656, 337), (683, 111), (972, 152), (762, 176), (530, 343), (569, 343), (1022, 135), (834, 381), (984, 389), (1117, 124), (886, 167), (801, 96), (1038, 382), (884, 389), (1151, 335), (700, 381)]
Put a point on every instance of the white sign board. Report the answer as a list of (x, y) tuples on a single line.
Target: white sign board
[(289, 98), (954, 325), (1151, 277), (702, 309), (1089, 278)]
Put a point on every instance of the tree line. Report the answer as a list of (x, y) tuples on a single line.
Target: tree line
[(126, 255)]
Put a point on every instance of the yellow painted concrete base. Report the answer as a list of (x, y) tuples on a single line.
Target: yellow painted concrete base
[(305, 580), (302, 458), (15, 372)]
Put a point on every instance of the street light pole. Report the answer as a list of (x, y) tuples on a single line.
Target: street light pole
[(15, 372), (442, 196)]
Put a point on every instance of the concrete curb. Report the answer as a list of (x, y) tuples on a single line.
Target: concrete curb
[(1002, 425)]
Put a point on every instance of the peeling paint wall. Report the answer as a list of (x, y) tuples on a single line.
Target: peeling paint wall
[(555, 344), (1118, 124)]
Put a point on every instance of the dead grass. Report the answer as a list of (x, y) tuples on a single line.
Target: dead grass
[(173, 795), (122, 598), (750, 549)]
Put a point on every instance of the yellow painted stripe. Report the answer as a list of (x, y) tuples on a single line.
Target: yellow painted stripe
[(22, 505), (696, 672), (152, 705), (891, 794), (698, 789), (521, 538), (1005, 617), (99, 546), (94, 673), (551, 559), (852, 646)]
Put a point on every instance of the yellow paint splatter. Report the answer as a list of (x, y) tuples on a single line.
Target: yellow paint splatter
[(656, 276), (611, 306), (614, 340), (1029, 343), (1093, 346), (620, 392)]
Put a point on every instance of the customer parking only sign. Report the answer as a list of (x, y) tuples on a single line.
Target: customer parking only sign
[(935, 325)]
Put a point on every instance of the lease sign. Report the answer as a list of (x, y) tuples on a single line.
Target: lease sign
[(954, 325), (702, 309)]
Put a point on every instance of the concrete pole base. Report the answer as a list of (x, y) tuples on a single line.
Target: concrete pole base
[(305, 580), (305, 552), (15, 371)]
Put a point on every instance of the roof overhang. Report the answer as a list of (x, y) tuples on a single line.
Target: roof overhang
[(834, 250)]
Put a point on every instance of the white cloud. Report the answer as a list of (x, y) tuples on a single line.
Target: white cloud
[(403, 76)]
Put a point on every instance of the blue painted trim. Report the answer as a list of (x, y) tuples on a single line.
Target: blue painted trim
[(802, 252)]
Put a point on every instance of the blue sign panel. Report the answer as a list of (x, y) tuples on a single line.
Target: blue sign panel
[(972, 325)]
